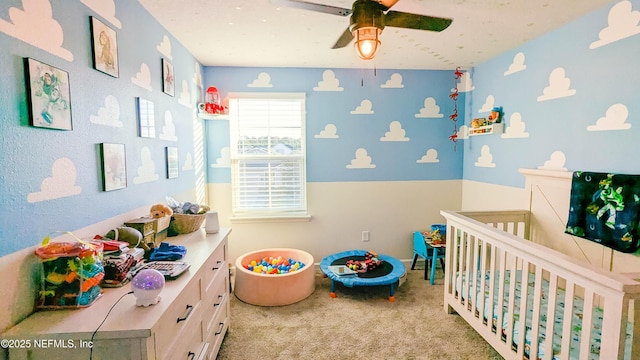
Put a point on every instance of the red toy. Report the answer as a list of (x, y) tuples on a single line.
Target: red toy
[(212, 103)]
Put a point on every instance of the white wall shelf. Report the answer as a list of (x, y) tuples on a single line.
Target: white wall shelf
[(207, 116), (487, 130)]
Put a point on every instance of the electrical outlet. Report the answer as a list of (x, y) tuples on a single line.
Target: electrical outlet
[(365, 236)]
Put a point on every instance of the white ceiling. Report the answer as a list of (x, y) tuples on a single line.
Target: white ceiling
[(258, 33)]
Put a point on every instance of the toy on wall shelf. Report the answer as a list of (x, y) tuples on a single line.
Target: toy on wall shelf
[(212, 103), (496, 115)]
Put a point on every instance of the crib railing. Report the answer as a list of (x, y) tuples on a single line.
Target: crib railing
[(494, 258)]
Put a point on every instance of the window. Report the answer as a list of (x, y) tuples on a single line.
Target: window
[(268, 155)]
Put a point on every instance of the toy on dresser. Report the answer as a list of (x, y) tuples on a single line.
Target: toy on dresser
[(71, 273)]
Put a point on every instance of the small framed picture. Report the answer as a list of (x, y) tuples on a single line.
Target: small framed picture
[(168, 83), (114, 168), (146, 118), (172, 162), (49, 96), (104, 45)]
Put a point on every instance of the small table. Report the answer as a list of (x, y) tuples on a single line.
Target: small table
[(434, 256), (388, 277)]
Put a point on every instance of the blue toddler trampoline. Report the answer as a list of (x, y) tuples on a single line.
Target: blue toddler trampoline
[(388, 273)]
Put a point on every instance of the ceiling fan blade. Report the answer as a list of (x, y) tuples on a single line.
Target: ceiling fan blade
[(387, 3), (327, 9), (344, 39), (414, 21)]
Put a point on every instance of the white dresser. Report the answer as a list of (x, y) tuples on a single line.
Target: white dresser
[(189, 322)]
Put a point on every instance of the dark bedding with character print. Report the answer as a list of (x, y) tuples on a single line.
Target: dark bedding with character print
[(605, 208)]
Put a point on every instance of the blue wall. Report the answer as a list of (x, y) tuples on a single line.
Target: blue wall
[(559, 130), (51, 179), (395, 98), (600, 83)]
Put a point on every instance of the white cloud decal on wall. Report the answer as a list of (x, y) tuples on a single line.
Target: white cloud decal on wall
[(188, 162), (623, 22), (62, 182), (615, 119), (431, 156), (361, 161), (394, 82), (36, 26), (143, 77), (517, 65), (365, 108), (165, 47), (108, 115), (329, 82), (225, 158), (488, 104), (197, 75), (104, 8), (559, 86), (515, 128), (147, 168), (430, 109), (555, 162), (329, 132), (395, 133), (263, 81), (485, 159), (463, 132), (465, 84), (185, 96), (168, 131)]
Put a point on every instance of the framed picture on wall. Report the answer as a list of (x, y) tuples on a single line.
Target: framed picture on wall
[(104, 45), (172, 162), (114, 168), (49, 96), (146, 118), (168, 83)]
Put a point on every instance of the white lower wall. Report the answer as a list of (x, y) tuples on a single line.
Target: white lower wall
[(389, 210), (479, 196)]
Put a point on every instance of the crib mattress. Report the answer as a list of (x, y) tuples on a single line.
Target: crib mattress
[(576, 322)]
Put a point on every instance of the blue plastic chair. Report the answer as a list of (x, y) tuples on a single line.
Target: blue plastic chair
[(420, 249)]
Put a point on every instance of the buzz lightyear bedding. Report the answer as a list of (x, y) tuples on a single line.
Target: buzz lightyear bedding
[(556, 337), (605, 208)]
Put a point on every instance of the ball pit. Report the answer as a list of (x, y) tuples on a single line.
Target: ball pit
[(270, 288)]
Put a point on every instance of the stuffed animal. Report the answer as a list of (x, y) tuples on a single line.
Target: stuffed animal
[(160, 210)]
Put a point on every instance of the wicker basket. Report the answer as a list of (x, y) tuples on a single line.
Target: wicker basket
[(187, 223)]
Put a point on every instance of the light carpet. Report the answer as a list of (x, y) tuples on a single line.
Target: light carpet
[(360, 323)]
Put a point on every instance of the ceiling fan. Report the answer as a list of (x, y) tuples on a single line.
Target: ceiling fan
[(368, 19)]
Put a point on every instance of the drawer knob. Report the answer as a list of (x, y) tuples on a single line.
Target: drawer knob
[(219, 332), (191, 355), (186, 314), (220, 297), (217, 263)]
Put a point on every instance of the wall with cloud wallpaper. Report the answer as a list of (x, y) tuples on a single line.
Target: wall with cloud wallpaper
[(52, 179), (389, 125), (570, 101)]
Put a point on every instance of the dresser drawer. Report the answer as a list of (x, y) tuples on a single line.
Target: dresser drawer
[(218, 328), (216, 267), (181, 317), (189, 345), (214, 305)]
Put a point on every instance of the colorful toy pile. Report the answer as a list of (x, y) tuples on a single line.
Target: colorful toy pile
[(370, 262), (274, 265), (71, 272)]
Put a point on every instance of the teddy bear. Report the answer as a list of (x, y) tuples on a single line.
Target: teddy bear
[(160, 210)]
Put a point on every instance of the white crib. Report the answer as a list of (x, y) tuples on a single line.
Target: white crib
[(488, 256)]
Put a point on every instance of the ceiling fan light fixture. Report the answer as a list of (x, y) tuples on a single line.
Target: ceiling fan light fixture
[(367, 41)]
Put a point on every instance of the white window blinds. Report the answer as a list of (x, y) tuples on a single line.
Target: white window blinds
[(268, 154)]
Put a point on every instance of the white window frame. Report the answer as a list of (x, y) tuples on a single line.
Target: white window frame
[(239, 214)]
